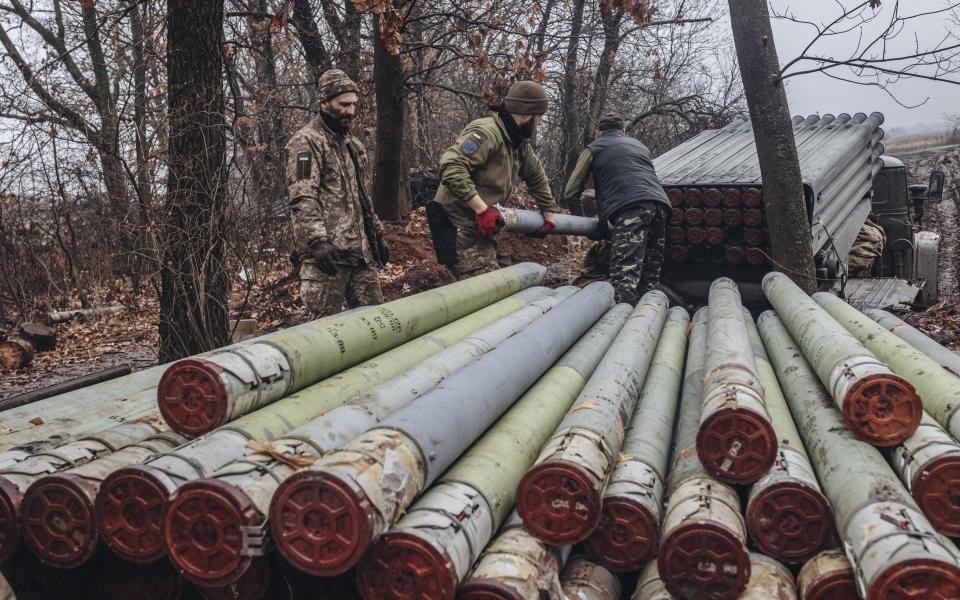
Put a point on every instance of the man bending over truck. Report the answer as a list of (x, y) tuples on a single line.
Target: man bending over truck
[(631, 204)]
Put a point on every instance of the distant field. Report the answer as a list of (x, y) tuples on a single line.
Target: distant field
[(944, 140)]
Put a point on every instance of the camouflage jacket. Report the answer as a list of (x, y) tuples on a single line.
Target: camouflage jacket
[(484, 161), (328, 196)]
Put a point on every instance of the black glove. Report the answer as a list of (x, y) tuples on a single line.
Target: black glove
[(325, 256), (382, 249)]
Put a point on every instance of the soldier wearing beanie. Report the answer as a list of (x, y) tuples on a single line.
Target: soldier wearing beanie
[(478, 172), (338, 236), (631, 205)]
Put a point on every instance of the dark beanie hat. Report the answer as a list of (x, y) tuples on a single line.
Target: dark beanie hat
[(611, 121), (526, 98)]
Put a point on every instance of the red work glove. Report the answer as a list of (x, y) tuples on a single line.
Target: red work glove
[(489, 221), (544, 231)]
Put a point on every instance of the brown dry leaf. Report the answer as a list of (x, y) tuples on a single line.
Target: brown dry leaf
[(37, 421)]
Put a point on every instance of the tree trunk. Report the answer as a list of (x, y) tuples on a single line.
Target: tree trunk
[(15, 354), (42, 337), (194, 281), (391, 198), (601, 80), (773, 133), (571, 128)]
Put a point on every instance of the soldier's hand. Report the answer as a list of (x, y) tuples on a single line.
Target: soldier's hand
[(489, 221), (382, 249), (325, 256)]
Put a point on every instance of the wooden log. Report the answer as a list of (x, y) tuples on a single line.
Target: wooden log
[(62, 316), (42, 337), (15, 354), (64, 386)]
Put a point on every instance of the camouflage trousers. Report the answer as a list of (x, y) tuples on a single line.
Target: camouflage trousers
[(637, 237), (325, 295), (476, 254)]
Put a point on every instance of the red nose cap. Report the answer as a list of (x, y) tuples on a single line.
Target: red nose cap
[(790, 521), (559, 502), (322, 523), (130, 509), (882, 409), (58, 520), (702, 559), (737, 445), (627, 536), (192, 397), (204, 531), (403, 566)]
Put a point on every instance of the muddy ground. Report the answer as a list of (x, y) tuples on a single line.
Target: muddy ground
[(273, 300)]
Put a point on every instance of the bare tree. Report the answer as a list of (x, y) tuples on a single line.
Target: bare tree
[(776, 148)]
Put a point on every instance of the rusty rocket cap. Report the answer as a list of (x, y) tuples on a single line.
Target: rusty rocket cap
[(702, 559), (626, 538), (208, 529), (10, 499), (936, 488), (737, 445), (559, 502), (789, 521), (405, 566), (919, 578), (192, 397), (321, 523), (882, 409), (58, 520), (712, 197), (129, 511)]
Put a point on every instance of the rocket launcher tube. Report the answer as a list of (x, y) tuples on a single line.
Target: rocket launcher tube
[(516, 566), (197, 395), (879, 406), (136, 535), (586, 580), (379, 474), (827, 576), (939, 389), (947, 359), (736, 442), (788, 517), (58, 510), (703, 549), (443, 533), (629, 530), (894, 549), (560, 497), (928, 463), (769, 580), (243, 488), (650, 586), (15, 479), (518, 220)]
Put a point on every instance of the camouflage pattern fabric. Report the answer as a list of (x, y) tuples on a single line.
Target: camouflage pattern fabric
[(476, 254), (636, 238), (334, 82), (596, 265), (325, 295)]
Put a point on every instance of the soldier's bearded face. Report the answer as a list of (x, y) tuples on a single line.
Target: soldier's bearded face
[(342, 108)]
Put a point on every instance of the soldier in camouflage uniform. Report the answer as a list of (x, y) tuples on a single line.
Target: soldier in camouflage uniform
[(338, 236), (480, 171), (631, 205)]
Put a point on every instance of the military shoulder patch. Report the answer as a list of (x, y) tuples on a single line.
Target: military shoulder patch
[(470, 146), (304, 160)]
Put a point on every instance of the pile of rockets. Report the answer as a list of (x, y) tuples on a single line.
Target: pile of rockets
[(496, 439)]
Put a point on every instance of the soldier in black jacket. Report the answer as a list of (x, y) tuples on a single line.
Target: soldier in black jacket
[(631, 204)]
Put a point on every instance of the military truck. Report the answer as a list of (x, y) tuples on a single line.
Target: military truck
[(857, 199)]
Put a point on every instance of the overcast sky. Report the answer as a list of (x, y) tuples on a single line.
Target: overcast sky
[(818, 93)]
